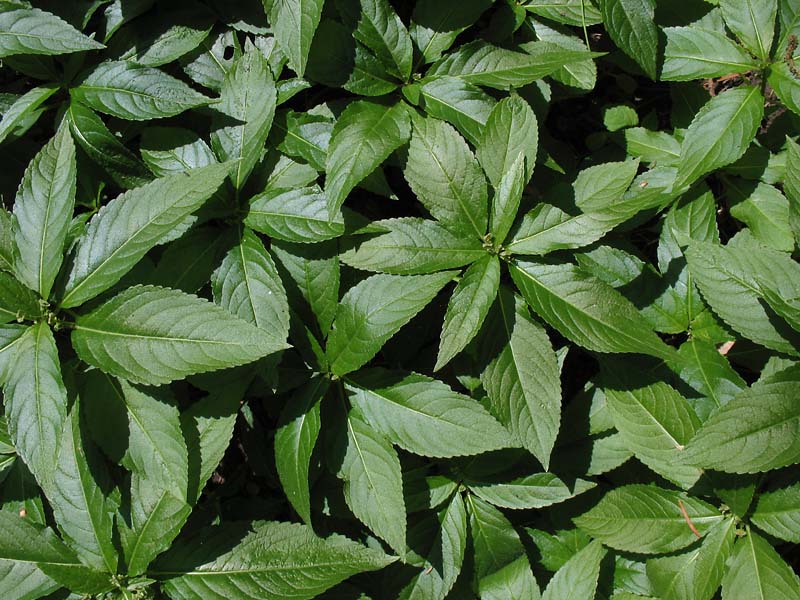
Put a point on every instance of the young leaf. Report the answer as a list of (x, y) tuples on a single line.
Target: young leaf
[(721, 132), (586, 310), (129, 91), (246, 108), (753, 22), (578, 576), (294, 215), (373, 311), (521, 377), (413, 246), (656, 423), (694, 53), (446, 177), (778, 513), (511, 129), (468, 307), (283, 560), (155, 335), (424, 416), (295, 439), (248, 286), (365, 134), (79, 499), (125, 229), (377, 26), (34, 31), (756, 571), (294, 23), (373, 484), (36, 400), (754, 432), (647, 519), (631, 24)]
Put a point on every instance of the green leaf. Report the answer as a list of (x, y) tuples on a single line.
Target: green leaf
[(168, 150), (24, 108), (365, 134), (778, 513), (568, 12), (155, 335), (373, 311), (496, 544), (23, 542), (578, 576), (695, 574), (726, 276), (314, 269), (756, 431), (36, 400), (647, 519), (484, 64), (600, 187), (248, 286), (43, 211), (694, 53), (444, 561), (506, 201), (247, 106), (298, 215), (463, 105), (757, 572), (709, 372), (126, 228), (511, 129), (285, 561), (373, 483), (413, 246), (10, 337), (720, 132), (766, 212), (585, 310), (379, 28), (103, 147), (34, 31), (785, 85), (446, 178), (753, 22), (631, 24), (424, 416), (295, 438), (78, 495), (656, 423), (652, 146), (129, 91), (6, 243), (294, 23), (521, 376), (468, 307), (16, 301), (435, 25), (532, 491), (515, 581)]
